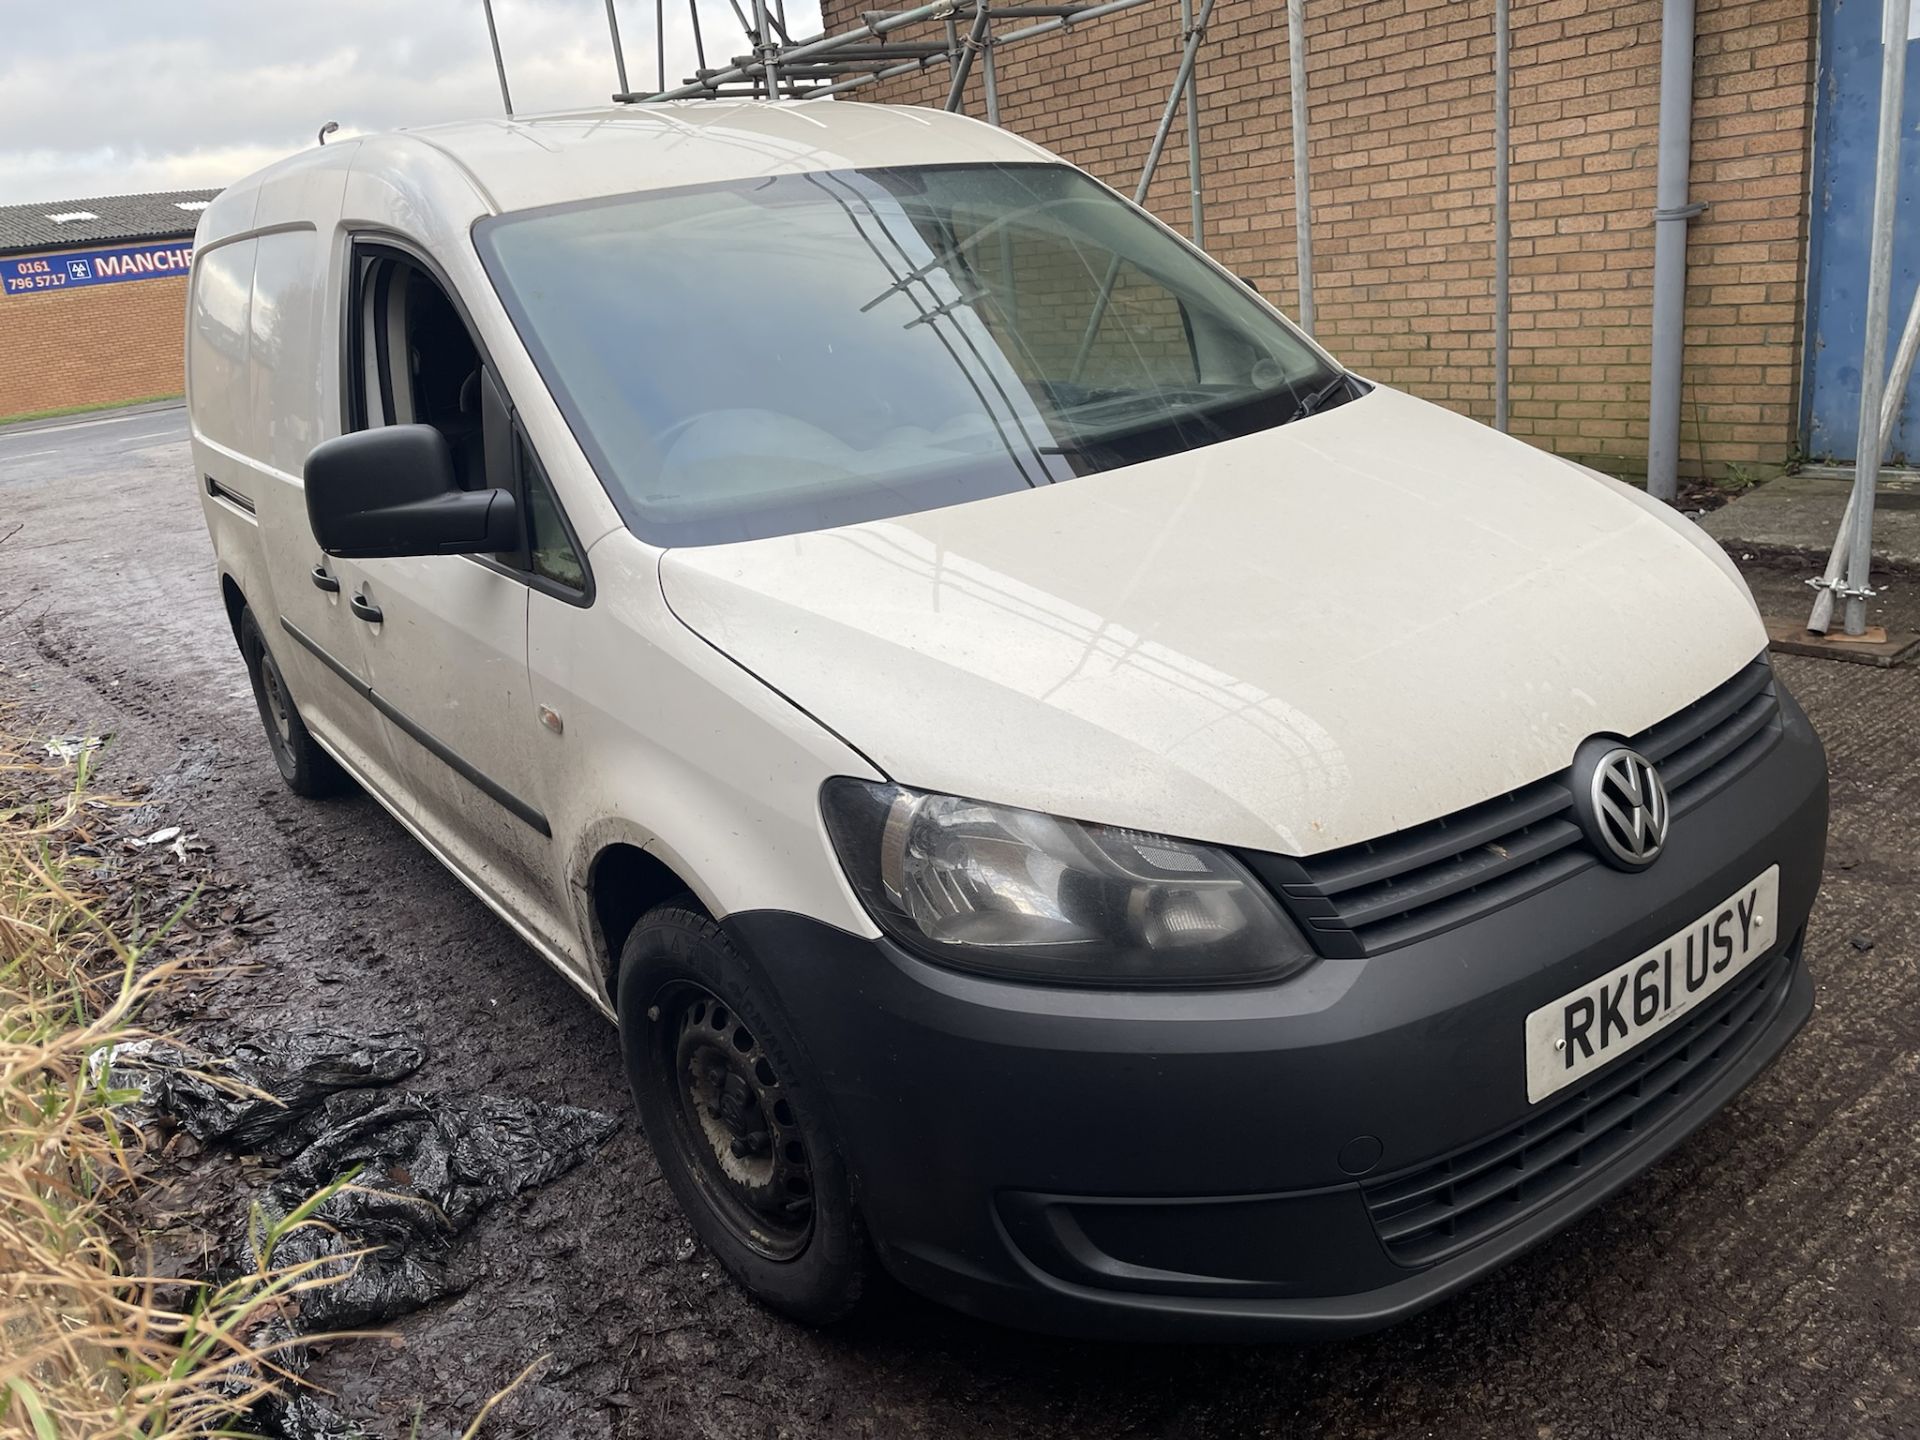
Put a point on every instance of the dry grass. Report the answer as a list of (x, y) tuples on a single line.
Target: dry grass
[(87, 1347)]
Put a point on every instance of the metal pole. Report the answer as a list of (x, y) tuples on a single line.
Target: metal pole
[(1896, 390), (880, 25), (659, 38), (1188, 55), (1670, 216), (767, 48), (905, 67), (499, 65), (1193, 136), (1068, 17), (989, 76), (1873, 362), (1302, 197), (619, 55), (1502, 236), (699, 42), (951, 50), (1902, 372), (976, 35)]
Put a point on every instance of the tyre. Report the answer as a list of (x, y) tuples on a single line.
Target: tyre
[(740, 1131), (307, 769)]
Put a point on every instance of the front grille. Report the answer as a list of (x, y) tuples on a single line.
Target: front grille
[(1448, 1206), (1369, 898)]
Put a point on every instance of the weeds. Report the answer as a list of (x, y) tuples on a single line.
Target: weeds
[(87, 1345)]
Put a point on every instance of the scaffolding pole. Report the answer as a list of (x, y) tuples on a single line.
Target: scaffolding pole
[(768, 49), (1193, 135), (1189, 54), (1189, 57), (699, 41), (828, 50), (499, 65), (874, 28), (1829, 581), (1066, 17), (989, 75), (1302, 196), (619, 55), (963, 66), (1856, 529)]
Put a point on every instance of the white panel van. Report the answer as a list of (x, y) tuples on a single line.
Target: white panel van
[(1070, 795)]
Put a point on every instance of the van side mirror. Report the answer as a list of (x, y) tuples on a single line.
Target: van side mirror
[(391, 491)]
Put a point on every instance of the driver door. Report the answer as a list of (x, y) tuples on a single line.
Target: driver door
[(445, 635)]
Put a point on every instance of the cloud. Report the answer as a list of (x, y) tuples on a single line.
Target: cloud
[(199, 93)]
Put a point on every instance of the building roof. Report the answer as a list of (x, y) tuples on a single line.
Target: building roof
[(103, 220)]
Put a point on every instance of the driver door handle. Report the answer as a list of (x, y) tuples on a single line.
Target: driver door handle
[(323, 580), (364, 609)]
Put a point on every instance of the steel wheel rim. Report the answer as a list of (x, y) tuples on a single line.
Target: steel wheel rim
[(273, 700), (734, 1125)]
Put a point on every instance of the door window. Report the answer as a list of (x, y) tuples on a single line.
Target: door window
[(416, 362), (420, 365)]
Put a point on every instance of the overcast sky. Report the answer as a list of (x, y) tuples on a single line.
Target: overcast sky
[(197, 93)]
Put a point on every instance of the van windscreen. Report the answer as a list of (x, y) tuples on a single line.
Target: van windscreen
[(769, 356)]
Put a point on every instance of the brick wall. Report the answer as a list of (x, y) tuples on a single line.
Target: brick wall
[(91, 345), (1402, 169)]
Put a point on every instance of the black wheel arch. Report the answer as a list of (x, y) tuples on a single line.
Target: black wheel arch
[(625, 881), (236, 602)]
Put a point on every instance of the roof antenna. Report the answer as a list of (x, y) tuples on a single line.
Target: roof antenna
[(328, 129)]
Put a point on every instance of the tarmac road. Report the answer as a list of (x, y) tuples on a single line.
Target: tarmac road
[(1760, 1282)]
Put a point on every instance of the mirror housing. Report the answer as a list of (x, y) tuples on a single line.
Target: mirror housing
[(390, 491)]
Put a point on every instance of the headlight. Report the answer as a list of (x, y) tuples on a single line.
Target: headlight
[(1022, 894)]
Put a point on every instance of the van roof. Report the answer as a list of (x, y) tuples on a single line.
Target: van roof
[(573, 155)]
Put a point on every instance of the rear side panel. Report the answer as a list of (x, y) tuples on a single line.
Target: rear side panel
[(262, 379)]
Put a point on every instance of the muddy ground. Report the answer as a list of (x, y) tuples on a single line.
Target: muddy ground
[(1760, 1282)]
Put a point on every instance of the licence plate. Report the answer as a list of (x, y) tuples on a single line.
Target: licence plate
[(1575, 1035)]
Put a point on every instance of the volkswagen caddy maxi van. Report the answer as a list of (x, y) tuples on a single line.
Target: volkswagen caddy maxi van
[(1069, 794)]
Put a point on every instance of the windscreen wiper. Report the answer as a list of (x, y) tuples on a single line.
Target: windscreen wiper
[(1320, 397)]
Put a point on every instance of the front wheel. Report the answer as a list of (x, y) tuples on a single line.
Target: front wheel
[(738, 1129)]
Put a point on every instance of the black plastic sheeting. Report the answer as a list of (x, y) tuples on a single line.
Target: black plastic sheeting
[(295, 1074), (424, 1166), (427, 1165)]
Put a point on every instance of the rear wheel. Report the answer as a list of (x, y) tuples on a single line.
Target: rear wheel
[(307, 769), (739, 1130)]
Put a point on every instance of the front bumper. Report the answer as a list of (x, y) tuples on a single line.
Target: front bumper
[(1320, 1156)]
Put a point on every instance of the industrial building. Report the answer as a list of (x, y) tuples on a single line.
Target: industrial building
[(1401, 150), (93, 299)]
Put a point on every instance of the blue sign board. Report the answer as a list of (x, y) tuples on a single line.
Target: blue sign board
[(32, 274)]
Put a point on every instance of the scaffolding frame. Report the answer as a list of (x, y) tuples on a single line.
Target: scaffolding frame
[(959, 35)]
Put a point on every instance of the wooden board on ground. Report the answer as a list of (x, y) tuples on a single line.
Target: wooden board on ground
[(1878, 646)]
